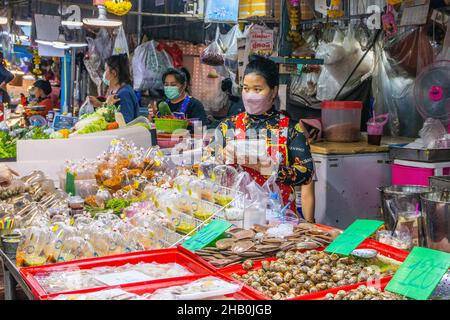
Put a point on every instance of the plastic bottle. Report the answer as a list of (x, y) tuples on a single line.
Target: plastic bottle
[(273, 208), (298, 201)]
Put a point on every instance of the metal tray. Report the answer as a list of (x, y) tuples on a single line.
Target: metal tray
[(425, 155), (440, 182)]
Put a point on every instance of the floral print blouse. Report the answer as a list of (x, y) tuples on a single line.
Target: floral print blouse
[(300, 167)]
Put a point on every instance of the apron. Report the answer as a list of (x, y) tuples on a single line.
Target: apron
[(182, 113), (272, 150)]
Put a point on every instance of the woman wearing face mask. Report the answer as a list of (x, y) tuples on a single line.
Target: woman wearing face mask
[(117, 78), (176, 85), (290, 150)]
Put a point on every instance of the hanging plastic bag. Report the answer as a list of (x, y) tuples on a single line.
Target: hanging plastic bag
[(303, 88), (86, 108), (149, 64), (174, 51), (93, 64), (411, 49), (340, 58), (445, 52), (121, 44), (431, 132), (230, 48), (213, 54)]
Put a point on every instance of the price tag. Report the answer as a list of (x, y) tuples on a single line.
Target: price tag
[(420, 274), (352, 237), (70, 183), (207, 235)]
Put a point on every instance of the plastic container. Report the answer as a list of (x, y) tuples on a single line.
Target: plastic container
[(170, 125), (149, 288), (375, 129), (342, 120), (159, 256)]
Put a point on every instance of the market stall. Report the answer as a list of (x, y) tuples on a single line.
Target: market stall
[(126, 150)]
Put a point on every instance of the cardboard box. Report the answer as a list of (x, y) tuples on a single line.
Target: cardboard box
[(258, 8)]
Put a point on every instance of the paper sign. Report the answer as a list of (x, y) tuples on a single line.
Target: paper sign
[(261, 41), (64, 122), (352, 237), (415, 15), (207, 235), (70, 183), (113, 279), (420, 274)]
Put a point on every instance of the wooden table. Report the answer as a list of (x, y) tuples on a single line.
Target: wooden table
[(361, 147)]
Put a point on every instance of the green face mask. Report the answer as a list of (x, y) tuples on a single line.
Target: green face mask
[(172, 93)]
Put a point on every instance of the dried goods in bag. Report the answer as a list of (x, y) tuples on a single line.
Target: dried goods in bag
[(213, 54)]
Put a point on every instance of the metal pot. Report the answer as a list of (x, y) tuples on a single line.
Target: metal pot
[(436, 220), (402, 201)]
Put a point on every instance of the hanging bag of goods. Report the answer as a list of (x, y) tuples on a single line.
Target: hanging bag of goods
[(213, 54)]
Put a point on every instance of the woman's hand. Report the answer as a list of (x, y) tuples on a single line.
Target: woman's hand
[(264, 167), (95, 102), (6, 175), (112, 100)]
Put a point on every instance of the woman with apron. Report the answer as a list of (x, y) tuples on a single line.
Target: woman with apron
[(285, 142), (176, 85)]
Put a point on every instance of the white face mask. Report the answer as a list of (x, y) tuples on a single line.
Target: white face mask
[(105, 81)]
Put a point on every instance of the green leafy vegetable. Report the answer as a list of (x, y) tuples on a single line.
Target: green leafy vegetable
[(117, 205), (164, 109)]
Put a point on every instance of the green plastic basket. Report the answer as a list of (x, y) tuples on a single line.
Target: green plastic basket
[(170, 125)]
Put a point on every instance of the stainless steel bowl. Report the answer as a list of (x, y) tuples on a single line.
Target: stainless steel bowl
[(436, 220)]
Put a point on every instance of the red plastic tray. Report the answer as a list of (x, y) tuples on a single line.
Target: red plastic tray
[(384, 250), (160, 256), (150, 287)]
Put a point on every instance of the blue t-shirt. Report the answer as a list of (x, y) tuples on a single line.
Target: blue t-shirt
[(129, 105), (5, 75)]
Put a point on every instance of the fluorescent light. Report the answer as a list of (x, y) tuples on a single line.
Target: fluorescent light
[(60, 45), (69, 23), (77, 44), (107, 23), (23, 23), (45, 42), (3, 20)]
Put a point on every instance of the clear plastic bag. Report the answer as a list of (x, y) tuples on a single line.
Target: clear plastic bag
[(230, 48), (86, 108), (256, 205), (205, 288), (213, 54), (149, 64), (432, 131), (121, 44), (340, 57)]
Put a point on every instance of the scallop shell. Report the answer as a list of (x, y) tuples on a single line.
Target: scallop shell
[(242, 246), (244, 234), (225, 244)]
